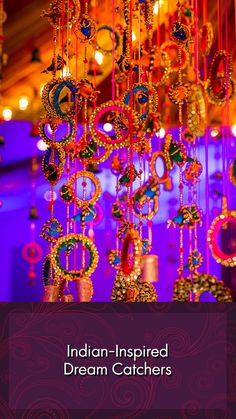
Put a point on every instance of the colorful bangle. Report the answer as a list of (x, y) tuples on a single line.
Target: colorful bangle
[(216, 87), (206, 38), (52, 230), (67, 243), (196, 111), (53, 170), (226, 259), (181, 58), (111, 32), (117, 112), (66, 139), (68, 194), (85, 29), (152, 208), (128, 267), (208, 283), (61, 84), (159, 155)]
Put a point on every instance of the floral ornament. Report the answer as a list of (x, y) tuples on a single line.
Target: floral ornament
[(182, 290), (179, 92), (208, 283), (178, 55), (206, 38), (180, 33), (53, 164), (188, 215), (129, 176), (52, 230), (66, 243), (196, 111), (216, 86), (195, 260), (222, 220), (85, 28), (232, 172), (192, 172)]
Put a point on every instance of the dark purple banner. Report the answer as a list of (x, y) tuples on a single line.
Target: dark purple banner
[(176, 359)]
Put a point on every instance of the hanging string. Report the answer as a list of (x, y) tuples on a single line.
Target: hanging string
[(207, 251), (227, 107)]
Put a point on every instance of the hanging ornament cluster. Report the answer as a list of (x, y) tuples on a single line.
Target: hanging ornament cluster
[(149, 77)]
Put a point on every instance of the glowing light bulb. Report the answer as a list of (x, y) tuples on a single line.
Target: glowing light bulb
[(214, 132), (7, 114), (233, 129), (23, 103), (107, 127), (99, 57), (41, 145)]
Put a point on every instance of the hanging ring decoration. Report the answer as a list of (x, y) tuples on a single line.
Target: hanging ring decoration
[(111, 32), (159, 155), (206, 38), (177, 54), (69, 242), (119, 116), (85, 29), (128, 267), (68, 193), (66, 139), (70, 84), (142, 97)]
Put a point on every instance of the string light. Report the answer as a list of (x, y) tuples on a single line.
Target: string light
[(107, 127), (7, 114), (23, 103), (41, 145), (214, 132), (233, 129)]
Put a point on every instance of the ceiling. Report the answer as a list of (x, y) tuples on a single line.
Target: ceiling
[(25, 30)]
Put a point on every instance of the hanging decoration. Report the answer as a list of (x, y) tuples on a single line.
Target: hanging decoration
[(153, 77)]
